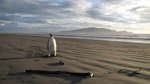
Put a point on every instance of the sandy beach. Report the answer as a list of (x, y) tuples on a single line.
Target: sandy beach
[(111, 62)]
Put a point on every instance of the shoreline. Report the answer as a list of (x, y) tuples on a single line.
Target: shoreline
[(82, 38)]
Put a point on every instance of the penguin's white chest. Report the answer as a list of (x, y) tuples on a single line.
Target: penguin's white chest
[(52, 46)]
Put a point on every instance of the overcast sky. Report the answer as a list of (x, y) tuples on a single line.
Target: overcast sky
[(58, 15)]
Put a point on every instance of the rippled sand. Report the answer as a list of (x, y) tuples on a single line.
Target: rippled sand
[(111, 62)]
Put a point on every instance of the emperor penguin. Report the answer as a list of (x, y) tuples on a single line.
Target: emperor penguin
[(51, 46)]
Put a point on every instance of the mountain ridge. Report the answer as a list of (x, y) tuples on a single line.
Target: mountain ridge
[(94, 31)]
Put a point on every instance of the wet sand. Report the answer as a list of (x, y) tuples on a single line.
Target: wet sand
[(111, 62)]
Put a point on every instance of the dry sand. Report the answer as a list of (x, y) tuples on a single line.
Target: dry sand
[(111, 62)]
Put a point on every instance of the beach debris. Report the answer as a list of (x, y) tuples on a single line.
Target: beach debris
[(56, 63), (37, 60), (61, 63), (3, 78), (130, 73), (89, 74)]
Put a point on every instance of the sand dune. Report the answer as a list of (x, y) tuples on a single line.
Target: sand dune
[(111, 62)]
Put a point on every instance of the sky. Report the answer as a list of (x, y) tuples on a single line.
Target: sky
[(58, 15)]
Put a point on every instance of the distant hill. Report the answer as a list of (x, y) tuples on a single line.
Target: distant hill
[(94, 31)]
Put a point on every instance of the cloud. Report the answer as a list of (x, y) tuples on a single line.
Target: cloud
[(143, 12), (70, 14), (113, 10), (2, 24), (43, 8)]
